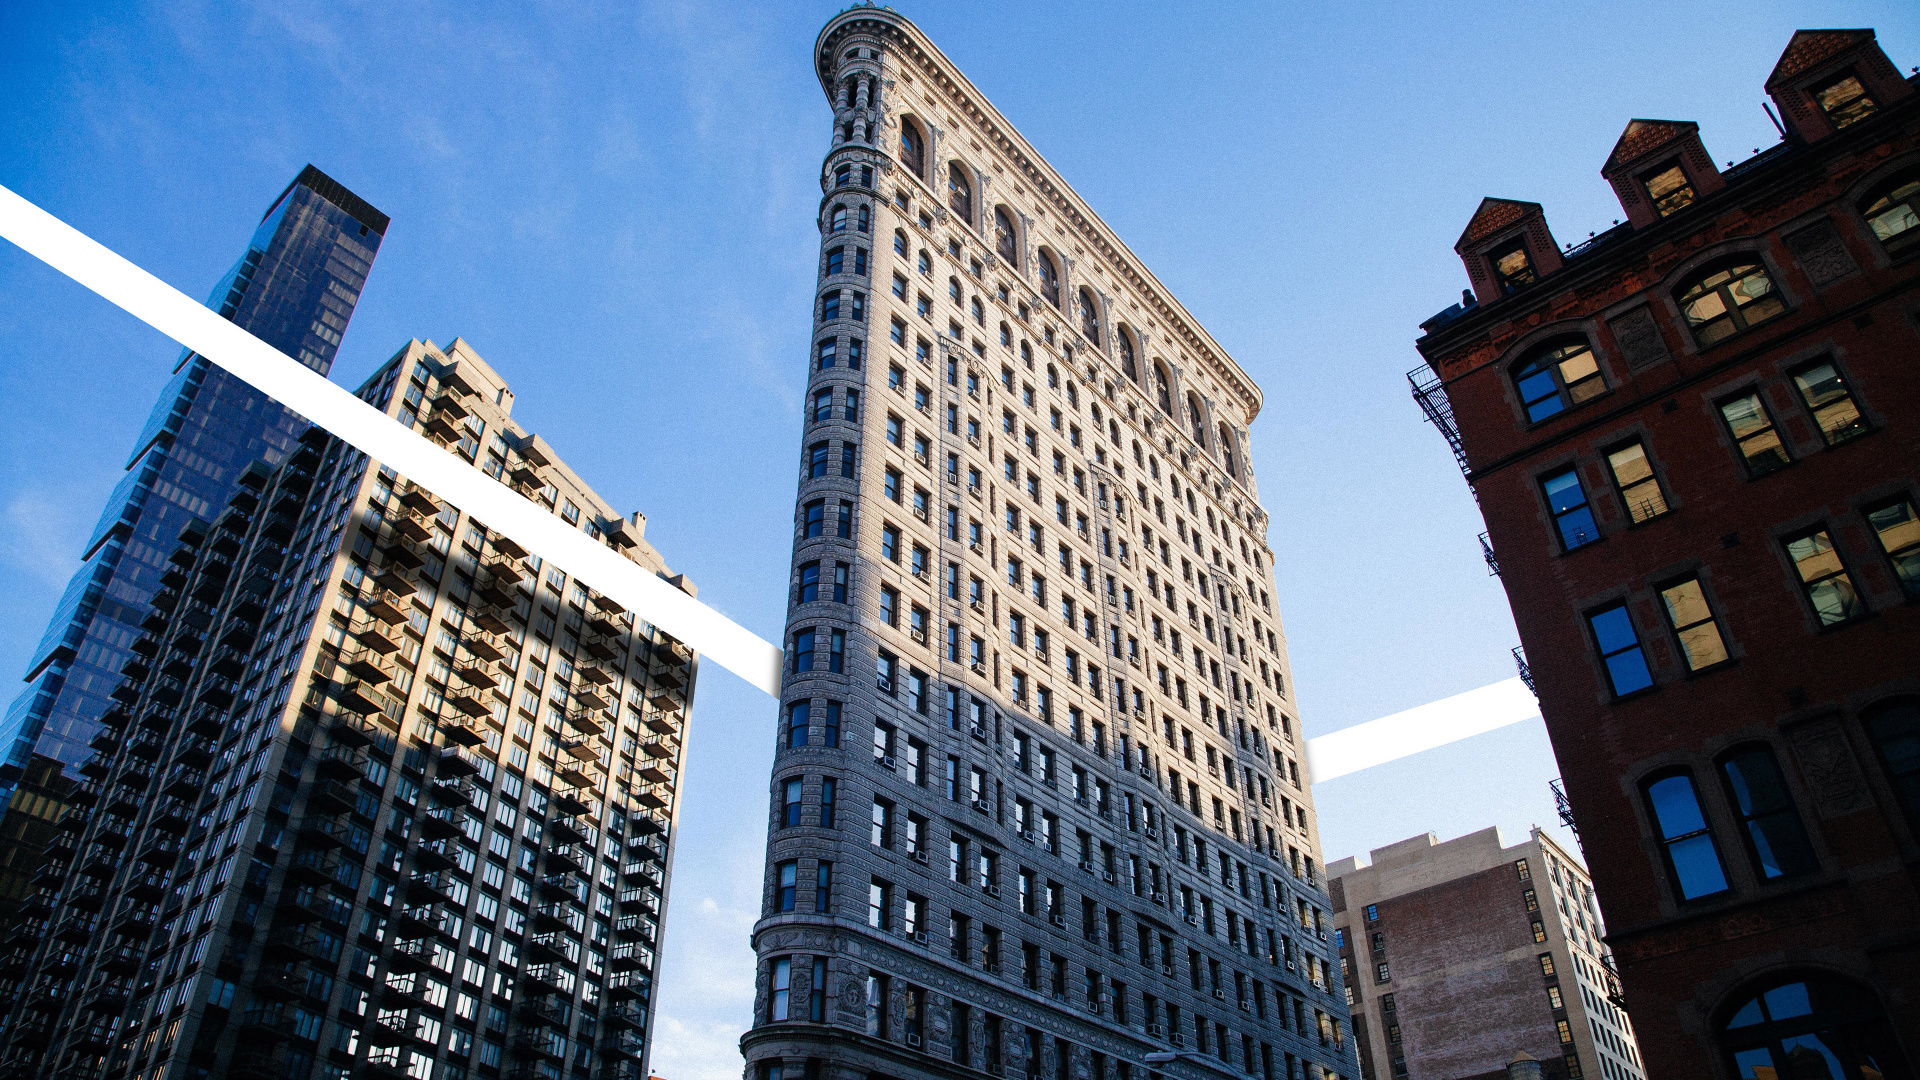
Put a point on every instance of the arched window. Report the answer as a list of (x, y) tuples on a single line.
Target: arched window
[(1558, 375), (1163, 384), (1049, 279), (900, 242), (959, 192), (1729, 298), (1895, 732), (1893, 210), (1198, 418), (1226, 452), (1686, 843), (1775, 836), (1813, 1026), (837, 222), (913, 148), (1089, 317), (1003, 237), (1127, 363)]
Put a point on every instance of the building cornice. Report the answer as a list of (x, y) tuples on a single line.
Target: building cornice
[(1028, 163)]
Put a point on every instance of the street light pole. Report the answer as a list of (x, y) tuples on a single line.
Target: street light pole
[(1165, 1057)]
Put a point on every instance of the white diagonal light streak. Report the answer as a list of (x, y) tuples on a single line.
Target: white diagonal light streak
[(1436, 723), (372, 432), (721, 640)]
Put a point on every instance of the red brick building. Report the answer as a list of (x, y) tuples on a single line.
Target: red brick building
[(1694, 439)]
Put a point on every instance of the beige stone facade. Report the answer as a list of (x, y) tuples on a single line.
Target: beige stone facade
[(1037, 723)]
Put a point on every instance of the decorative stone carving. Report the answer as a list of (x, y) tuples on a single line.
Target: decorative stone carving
[(1830, 769), (1639, 338), (1818, 250)]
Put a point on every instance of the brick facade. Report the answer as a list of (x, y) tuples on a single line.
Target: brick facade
[(1445, 945), (1677, 602)]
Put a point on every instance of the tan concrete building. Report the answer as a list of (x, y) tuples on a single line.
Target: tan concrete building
[(1037, 804), (1461, 954)]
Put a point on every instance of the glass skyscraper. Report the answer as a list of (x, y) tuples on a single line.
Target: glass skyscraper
[(295, 287)]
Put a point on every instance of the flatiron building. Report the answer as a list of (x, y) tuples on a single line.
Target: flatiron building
[(1038, 805)]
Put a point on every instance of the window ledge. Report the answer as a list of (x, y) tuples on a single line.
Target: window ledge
[(1713, 669), (1644, 691), (1534, 425), (1702, 349), (1834, 628), (1596, 542)]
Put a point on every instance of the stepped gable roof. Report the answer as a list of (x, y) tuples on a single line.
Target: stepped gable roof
[(1810, 47)]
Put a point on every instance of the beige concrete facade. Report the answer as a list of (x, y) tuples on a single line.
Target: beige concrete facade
[(1461, 954), (1037, 717)]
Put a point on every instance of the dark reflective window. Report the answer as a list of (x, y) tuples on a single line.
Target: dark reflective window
[(1557, 376), (912, 148), (1571, 513), (1893, 211), (1511, 267), (1776, 837), (1725, 301), (1049, 280), (1827, 397), (1897, 527), (959, 192), (1691, 857), (1844, 100), (1003, 236), (1620, 650), (1895, 731), (1753, 432), (1812, 1028), (1824, 578), (1667, 186)]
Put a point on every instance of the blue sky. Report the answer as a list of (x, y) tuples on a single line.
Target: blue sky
[(613, 203)]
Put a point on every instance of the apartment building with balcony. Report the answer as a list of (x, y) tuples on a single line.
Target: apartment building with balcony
[(379, 794), (1038, 806)]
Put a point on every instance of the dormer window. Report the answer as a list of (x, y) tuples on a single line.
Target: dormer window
[(1668, 188), (1558, 375), (1511, 267), (1844, 100), (1725, 301)]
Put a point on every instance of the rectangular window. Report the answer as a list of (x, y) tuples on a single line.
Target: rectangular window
[(1827, 397), (1668, 188), (1824, 578), (782, 981), (1753, 432), (1692, 621), (1687, 843), (1620, 650), (1639, 488), (1898, 529), (823, 887), (1571, 514)]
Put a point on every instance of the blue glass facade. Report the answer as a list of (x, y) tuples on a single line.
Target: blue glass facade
[(295, 288)]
